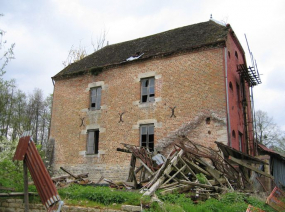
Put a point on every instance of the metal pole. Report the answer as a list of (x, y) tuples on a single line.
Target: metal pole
[(26, 192)]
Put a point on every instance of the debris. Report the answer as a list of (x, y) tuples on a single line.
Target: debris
[(191, 167), (276, 199), (6, 188)]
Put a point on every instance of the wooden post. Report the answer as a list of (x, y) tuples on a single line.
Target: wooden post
[(26, 192)]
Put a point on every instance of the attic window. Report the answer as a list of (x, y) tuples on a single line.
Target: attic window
[(134, 57), (236, 54)]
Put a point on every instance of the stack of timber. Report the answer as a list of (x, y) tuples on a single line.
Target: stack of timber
[(191, 168)]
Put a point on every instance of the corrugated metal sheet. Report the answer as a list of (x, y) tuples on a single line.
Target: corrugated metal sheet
[(21, 148), (278, 171), (45, 187)]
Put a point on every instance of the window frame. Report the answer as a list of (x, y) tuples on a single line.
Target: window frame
[(97, 98), (149, 139), (94, 141), (148, 91)]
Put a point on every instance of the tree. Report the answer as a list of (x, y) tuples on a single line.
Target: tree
[(6, 55), (267, 131), (76, 54)]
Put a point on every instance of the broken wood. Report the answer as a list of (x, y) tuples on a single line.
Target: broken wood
[(74, 176), (146, 167), (242, 163), (6, 188), (16, 194), (217, 188), (156, 185)]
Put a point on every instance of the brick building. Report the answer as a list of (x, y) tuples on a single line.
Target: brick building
[(191, 80)]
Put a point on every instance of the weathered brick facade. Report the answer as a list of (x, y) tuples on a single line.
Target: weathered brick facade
[(193, 81)]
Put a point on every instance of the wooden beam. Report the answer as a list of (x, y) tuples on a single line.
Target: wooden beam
[(157, 184), (147, 168), (217, 188), (12, 194), (26, 191), (6, 188), (196, 167), (123, 150), (242, 163)]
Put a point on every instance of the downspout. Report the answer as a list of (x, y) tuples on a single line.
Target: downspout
[(245, 114), (227, 98), (51, 109)]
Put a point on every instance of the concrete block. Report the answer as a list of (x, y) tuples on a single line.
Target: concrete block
[(131, 208)]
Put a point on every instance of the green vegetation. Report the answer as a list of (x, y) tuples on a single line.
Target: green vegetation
[(102, 195), (11, 172), (201, 178), (232, 202)]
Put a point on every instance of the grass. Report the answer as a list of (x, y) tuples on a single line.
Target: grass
[(105, 197), (98, 196), (229, 202)]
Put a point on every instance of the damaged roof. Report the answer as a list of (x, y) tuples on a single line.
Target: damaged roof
[(176, 40)]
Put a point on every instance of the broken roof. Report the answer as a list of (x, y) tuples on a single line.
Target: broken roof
[(176, 40)]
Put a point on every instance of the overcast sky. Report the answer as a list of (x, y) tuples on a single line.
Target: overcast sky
[(44, 31)]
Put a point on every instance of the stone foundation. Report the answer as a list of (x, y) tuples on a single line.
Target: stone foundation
[(17, 205)]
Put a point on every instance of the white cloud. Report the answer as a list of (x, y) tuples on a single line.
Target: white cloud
[(44, 31)]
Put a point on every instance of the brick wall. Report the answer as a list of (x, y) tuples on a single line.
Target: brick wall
[(235, 56), (193, 82)]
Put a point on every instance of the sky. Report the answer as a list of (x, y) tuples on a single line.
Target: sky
[(45, 30)]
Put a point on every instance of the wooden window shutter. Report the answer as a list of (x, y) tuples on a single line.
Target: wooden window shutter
[(91, 142)]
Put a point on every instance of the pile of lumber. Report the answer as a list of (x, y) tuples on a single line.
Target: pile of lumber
[(192, 168)]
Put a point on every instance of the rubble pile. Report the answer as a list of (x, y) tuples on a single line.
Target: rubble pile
[(192, 168)]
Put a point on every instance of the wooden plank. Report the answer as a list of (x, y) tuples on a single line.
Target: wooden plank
[(179, 189), (242, 163), (6, 188), (70, 173), (203, 185), (132, 165), (147, 168), (160, 171), (180, 170), (26, 192), (156, 185), (13, 194), (192, 172), (132, 170), (169, 185), (196, 167)]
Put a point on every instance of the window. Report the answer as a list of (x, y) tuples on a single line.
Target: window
[(92, 142), (231, 86), (233, 134), (240, 141), (208, 120), (147, 136), (95, 98), (147, 90), (236, 54), (238, 94)]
